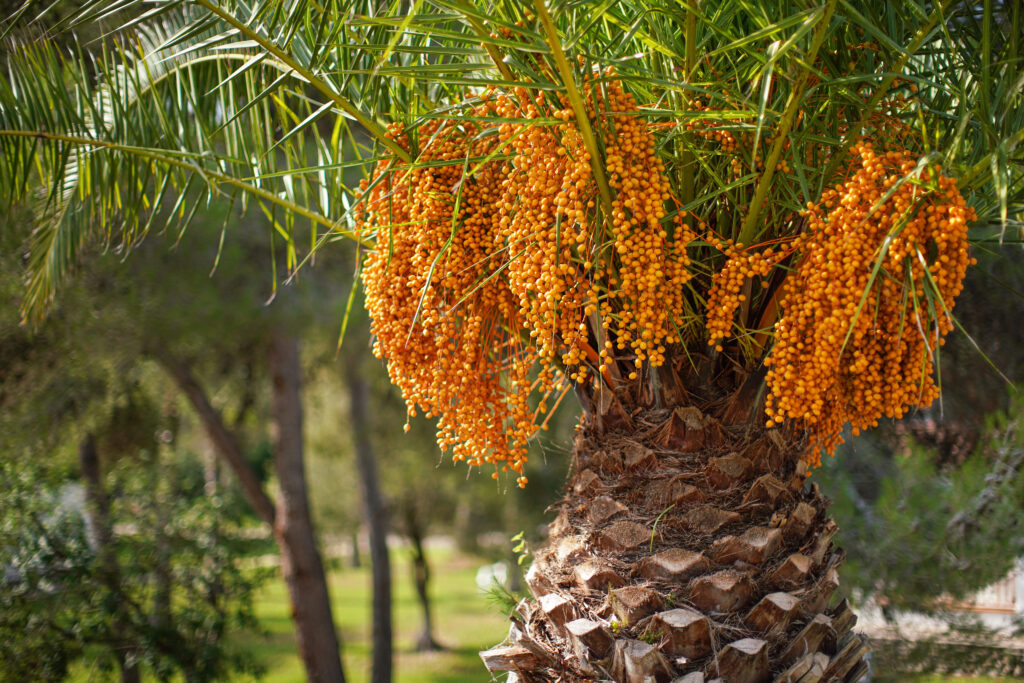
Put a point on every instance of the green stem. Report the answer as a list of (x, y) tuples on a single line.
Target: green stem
[(688, 161), (749, 230), (374, 128), (1014, 36), (163, 158), (883, 87), (576, 102), (986, 54), (481, 31), (965, 180)]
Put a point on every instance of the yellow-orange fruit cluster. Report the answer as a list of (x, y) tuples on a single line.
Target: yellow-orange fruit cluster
[(727, 285), (884, 261), (430, 254), (646, 269), (542, 217), (493, 259)]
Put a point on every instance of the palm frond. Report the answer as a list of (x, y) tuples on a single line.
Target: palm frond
[(149, 131), (280, 103)]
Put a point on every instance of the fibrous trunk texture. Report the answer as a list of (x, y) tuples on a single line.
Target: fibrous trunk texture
[(685, 550)]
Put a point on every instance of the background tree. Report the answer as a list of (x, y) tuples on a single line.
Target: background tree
[(210, 342), (927, 505), (944, 459), (981, 369), (928, 533), (73, 589), (693, 218), (273, 341)]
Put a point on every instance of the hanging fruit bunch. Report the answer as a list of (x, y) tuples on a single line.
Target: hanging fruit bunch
[(497, 278), (870, 304), (500, 280)]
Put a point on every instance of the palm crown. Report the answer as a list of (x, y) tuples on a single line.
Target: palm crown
[(586, 188)]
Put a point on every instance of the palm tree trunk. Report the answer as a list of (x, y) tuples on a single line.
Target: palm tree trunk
[(293, 525), (376, 520), (688, 550), (98, 510)]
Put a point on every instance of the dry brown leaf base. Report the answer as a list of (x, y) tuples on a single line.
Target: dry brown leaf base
[(672, 566)]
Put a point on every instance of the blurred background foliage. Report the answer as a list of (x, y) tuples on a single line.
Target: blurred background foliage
[(93, 368), (930, 507)]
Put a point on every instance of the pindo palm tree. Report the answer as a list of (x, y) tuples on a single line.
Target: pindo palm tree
[(728, 229)]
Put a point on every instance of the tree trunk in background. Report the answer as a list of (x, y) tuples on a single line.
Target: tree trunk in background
[(421, 579), (98, 509), (376, 519), (685, 549), (355, 561), (467, 535), (223, 440), (299, 556), (301, 563)]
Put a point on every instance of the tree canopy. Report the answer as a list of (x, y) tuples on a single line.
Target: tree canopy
[(587, 186)]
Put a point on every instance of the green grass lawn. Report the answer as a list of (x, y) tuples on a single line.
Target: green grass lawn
[(465, 622)]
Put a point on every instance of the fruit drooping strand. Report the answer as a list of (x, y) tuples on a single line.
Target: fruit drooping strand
[(495, 278), (871, 300), (727, 287)]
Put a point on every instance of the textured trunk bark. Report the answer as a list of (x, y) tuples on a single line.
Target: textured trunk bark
[(685, 550), (293, 526), (98, 509), (421, 579), (376, 520)]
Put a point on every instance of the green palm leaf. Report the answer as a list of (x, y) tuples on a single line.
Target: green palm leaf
[(273, 101)]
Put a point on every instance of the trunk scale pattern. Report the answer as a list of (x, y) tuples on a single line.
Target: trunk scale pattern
[(685, 551)]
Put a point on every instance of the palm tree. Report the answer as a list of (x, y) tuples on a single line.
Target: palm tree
[(730, 229)]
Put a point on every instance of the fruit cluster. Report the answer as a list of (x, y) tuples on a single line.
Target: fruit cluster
[(646, 269), (729, 288), (496, 276), (871, 300)]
